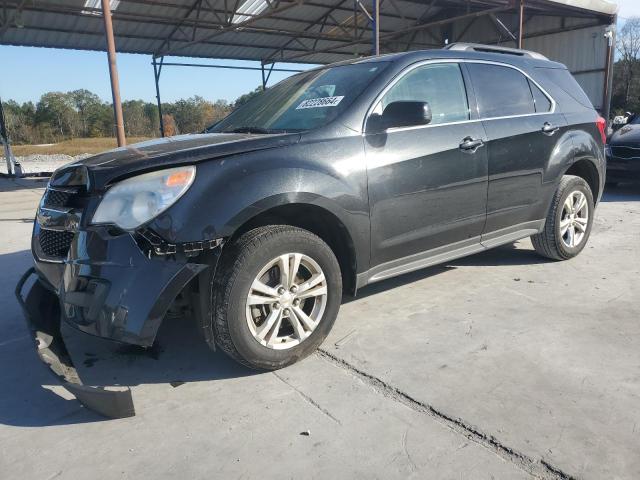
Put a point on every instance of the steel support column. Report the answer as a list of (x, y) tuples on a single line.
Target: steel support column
[(375, 28), (113, 73), (4, 137), (610, 36), (157, 70), (521, 24)]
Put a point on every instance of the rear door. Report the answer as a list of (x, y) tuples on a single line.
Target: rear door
[(522, 129), (425, 189)]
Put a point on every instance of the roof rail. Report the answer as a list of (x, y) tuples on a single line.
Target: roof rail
[(478, 47)]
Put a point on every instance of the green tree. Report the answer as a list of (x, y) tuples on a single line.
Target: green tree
[(20, 121), (100, 121), (242, 99), (628, 47), (57, 111), (138, 118), (190, 114), (86, 104)]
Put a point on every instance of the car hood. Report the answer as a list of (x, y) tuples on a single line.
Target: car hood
[(627, 135), (99, 170)]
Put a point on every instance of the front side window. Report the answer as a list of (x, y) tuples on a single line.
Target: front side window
[(440, 85), (302, 102), (501, 91)]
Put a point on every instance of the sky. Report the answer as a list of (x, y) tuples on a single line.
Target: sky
[(42, 70), (628, 8)]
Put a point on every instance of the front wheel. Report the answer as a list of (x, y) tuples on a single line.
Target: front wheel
[(568, 222), (276, 296)]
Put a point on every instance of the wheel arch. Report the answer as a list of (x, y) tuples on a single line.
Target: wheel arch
[(587, 170), (320, 221)]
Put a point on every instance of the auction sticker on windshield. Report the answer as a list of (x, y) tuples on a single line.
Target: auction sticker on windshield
[(320, 102)]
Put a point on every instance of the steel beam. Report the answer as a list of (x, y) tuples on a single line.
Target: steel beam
[(309, 26), (157, 70), (196, 5), (270, 11), (230, 67), (113, 73), (214, 27), (415, 28), (7, 21), (501, 27)]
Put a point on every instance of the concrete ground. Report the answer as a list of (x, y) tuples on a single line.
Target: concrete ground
[(500, 365)]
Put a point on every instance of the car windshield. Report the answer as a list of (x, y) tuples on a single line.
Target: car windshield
[(302, 102)]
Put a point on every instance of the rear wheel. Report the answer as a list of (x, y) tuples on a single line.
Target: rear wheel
[(276, 296), (568, 222)]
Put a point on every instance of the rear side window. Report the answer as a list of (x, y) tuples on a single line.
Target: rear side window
[(542, 102), (501, 91), (441, 85), (563, 79)]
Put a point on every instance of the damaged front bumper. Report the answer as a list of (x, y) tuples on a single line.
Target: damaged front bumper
[(108, 283), (111, 288), (42, 312)]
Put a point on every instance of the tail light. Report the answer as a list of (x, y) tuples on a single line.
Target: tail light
[(602, 127)]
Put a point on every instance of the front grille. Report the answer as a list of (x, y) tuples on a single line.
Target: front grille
[(55, 243), (56, 198), (625, 152)]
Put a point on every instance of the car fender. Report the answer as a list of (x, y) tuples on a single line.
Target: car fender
[(229, 192)]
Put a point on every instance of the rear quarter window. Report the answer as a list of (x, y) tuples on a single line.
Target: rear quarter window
[(563, 79), (542, 102)]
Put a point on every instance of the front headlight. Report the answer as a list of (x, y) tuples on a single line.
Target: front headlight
[(607, 150), (134, 201)]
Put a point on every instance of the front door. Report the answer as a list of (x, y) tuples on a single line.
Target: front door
[(427, 184)]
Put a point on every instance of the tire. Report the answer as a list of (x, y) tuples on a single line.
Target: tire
[(242, 262), (552, 242)]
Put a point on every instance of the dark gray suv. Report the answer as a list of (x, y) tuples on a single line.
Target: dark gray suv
[(333, 179)]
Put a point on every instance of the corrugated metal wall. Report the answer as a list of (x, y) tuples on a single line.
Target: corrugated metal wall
[(575, 42)]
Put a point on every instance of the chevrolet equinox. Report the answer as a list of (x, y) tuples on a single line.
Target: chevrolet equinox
[(332, 179)]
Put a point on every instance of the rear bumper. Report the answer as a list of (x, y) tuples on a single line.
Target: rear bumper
[(42, 313)]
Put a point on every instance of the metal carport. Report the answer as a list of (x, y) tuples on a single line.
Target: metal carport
[(579, 33)]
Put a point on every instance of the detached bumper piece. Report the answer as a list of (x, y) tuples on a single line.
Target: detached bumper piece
[(41, 308)]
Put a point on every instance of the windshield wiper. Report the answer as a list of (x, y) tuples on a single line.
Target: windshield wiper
[(250, 129)]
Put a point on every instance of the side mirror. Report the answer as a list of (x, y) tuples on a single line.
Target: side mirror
[(406, 114), (400, 114)]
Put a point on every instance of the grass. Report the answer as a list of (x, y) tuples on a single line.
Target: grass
[(72, 147)]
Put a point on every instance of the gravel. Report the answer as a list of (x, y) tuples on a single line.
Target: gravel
[(39, 164)]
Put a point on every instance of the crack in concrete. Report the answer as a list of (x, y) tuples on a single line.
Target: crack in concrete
[(412, 464), (538, 468), (308, 399)]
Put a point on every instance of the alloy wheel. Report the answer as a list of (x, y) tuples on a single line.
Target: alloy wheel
[(574, 219), (286, 301)]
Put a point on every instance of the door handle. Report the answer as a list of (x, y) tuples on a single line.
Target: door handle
[(470, 145), (549, 129)]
